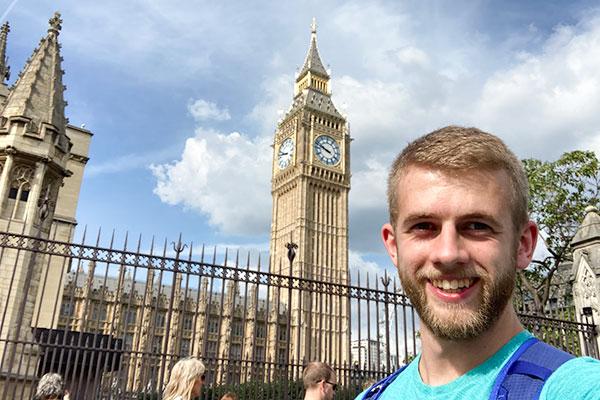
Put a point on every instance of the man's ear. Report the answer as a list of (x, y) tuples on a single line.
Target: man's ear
[(389, 241), (526, 246), (322, 386)]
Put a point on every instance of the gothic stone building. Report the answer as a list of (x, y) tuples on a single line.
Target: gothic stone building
[(42, 159)]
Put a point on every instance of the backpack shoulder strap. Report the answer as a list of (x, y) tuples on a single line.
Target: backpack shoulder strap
[(525, 373), (377, 389)]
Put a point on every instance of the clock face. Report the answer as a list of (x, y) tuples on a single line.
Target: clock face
[(327, 150), (285, 153)]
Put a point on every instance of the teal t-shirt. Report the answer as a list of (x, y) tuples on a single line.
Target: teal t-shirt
[(578, 378)]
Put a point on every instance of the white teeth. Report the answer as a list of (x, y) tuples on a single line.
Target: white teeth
[(452, 284)]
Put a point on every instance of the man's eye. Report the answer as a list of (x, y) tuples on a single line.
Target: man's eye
[(423, 226), (478, 226)]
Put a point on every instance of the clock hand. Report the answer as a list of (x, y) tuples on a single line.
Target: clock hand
[(324, 148)]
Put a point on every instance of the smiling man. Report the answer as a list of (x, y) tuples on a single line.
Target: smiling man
[(459, 230)]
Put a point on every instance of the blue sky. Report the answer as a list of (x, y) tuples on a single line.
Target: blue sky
[(183, 97)]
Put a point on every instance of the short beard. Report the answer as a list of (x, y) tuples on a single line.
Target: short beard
[(459, 327)]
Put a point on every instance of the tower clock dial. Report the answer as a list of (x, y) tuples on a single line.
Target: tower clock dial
[(327, 150), (285, 153)]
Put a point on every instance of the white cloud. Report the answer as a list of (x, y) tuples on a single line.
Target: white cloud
[(541, 94), (224, 176), (552, 98), (277, 93), (127, 162), (203, 110), (369, 185), (412, 55), (543, 104), (359, 266)]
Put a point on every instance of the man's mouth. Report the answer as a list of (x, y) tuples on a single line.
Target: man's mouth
[(453, 285)]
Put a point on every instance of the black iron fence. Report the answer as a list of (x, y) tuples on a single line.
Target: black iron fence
[(113, 319)]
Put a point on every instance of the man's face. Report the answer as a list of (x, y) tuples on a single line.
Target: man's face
[(328, 391), (456, 248)]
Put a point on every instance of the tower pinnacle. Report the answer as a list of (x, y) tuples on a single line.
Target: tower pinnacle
[(37, 95), (4, 68), (313, 62), (55, 23)]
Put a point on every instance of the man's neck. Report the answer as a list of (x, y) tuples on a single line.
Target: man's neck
[(442, 360), (312, 394)]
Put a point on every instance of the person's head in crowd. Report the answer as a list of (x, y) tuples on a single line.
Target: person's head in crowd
[(186, 380), (50, 387), (229, 396), (320, 382), (368, 383)]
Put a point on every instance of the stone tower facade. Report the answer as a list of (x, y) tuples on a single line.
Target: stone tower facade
[(586, 270), (42, 160), (310, 184)]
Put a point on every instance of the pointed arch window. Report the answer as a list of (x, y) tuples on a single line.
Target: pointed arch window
[(18, 193)]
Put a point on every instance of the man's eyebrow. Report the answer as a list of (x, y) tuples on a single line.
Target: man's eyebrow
[(481, 216), (411, 218)]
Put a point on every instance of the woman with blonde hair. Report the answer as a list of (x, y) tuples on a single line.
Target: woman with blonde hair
[(185, 383)]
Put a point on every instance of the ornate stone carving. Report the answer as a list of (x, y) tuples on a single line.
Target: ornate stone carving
[(22, 174), (586, 290)]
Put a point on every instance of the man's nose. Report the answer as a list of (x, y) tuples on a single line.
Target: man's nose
[(449, 248)]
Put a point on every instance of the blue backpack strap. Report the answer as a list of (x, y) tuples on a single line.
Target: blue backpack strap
[(377, 389), (525, 373)]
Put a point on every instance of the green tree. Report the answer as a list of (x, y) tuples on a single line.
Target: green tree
[(560, 191)]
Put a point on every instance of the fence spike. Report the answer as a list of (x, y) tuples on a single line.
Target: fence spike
[(165, 247), (112, 239), (191, 251), (152, 246), (139, 243), (84, 233), (98, 236), (126, 239)]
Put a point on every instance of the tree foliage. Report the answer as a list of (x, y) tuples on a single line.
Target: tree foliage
[(559, 193)]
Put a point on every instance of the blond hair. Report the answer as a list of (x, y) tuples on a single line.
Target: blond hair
[(456, 149), (183, 377)]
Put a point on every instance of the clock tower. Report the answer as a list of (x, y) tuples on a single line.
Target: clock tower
[(311, 180)]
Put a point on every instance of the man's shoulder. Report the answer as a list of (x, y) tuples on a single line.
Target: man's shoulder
[(578, 378)]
